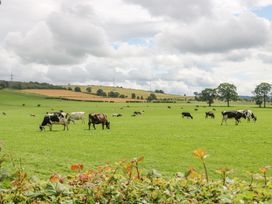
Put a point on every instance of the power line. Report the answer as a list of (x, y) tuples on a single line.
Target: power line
[(11, 77)]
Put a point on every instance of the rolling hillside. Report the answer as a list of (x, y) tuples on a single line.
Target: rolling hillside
[(127, 92)]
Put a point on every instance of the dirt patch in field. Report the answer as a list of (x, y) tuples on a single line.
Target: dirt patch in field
[(70, 95)]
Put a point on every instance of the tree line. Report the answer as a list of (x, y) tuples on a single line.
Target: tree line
[(228, 92), (27, 85)]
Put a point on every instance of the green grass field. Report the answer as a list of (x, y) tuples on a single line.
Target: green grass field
[(160, 135)]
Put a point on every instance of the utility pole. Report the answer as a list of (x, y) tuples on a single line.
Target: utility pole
[(11, 77)]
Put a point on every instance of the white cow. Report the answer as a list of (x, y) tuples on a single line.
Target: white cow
[(77, 116)]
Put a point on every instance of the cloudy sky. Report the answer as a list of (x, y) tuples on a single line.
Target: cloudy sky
[(180, 46)]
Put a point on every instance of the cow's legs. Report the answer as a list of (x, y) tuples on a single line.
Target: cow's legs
[(103, 126), (89, 123), (50, 127), (94, 126), (65, 126), (224, 120)]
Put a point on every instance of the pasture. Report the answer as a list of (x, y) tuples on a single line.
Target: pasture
[(160, 135)]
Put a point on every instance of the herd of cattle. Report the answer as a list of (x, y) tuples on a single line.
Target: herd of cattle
[(235, 114), (62, 118)]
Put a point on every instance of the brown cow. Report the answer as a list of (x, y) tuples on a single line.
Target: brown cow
[(97, 118)]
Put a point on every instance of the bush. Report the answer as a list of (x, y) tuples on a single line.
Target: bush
[(159, 91), (152, 97), (124, 182), (89, 89), (77, 89), (113, 94), (100, 92)]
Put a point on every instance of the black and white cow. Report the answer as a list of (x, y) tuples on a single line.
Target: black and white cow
[(249, 115), (117, 115), (59, 118), (187, 115), (209, 114), (237, 115)]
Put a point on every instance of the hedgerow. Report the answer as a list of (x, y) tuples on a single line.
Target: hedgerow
[(124, 182)]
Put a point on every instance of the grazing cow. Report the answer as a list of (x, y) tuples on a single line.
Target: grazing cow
[(77, 116), (187, 115), (137, 113), (237, 115), (209, 114), (58, 118), (249, 115), (117, 115), (97, 118)]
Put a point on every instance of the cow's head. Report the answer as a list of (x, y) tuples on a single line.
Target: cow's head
[(108, 124)]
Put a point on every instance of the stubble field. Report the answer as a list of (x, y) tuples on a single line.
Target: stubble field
[(160, 135)]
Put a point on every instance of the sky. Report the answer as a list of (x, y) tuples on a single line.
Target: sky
[(179, 46)]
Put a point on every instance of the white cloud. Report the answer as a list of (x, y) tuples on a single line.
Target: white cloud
[(180, 47)]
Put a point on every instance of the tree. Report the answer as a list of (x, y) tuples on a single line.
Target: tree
[(133, 95), (152, 97), (227, 92), (159, 91), (77, 89), (207, 95), (70, 89), (261, 93), (89, 89), (113, 94), (100, 92), (258, 100)]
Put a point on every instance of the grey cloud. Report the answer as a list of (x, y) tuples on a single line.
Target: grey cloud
[(185, 10), (64, 38), (239, 32), (77, 36), (266, 58)]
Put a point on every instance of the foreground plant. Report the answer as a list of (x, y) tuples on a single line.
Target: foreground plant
[(224, 172), (109, 184), (202, 155), (264, 170)]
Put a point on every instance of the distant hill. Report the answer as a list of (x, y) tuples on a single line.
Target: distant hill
[(127, 92), (246, 97)]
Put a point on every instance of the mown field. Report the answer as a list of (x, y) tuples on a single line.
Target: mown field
[(160, 135)]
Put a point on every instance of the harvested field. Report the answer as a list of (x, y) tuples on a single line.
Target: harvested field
[(79, 96)]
